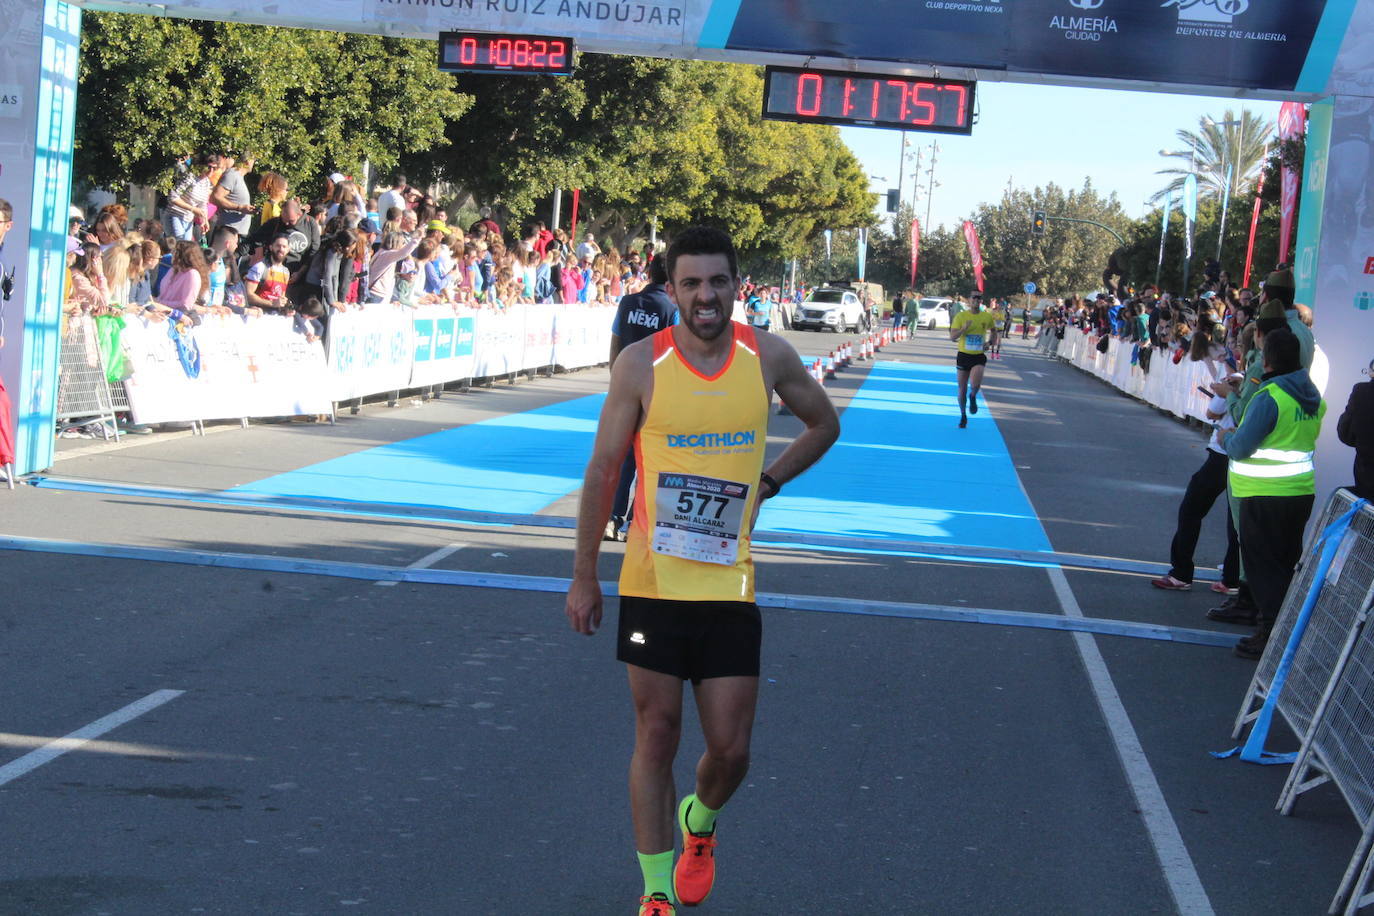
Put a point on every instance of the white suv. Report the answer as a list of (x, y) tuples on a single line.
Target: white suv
[(829, 307), (933, 313)]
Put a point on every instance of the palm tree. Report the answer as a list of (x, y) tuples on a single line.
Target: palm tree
[(1217, 144)]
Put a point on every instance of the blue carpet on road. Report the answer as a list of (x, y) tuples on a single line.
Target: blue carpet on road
[(903, 470), (518, 463)]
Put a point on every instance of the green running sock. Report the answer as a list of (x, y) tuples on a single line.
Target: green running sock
[(698, 818), (658, 873)]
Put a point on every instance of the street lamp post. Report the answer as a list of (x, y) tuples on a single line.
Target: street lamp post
[(930, 190), (1226, 192)]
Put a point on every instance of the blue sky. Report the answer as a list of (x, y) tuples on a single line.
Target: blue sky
[(1033, 135)]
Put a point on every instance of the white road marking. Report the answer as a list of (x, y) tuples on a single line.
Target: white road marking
[(1179, 871), (59, 746), (428, 560)]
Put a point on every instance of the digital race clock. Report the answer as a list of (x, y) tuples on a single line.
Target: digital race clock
[(500, 52), (868, 99)]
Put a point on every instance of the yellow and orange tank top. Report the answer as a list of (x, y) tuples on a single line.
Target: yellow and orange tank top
[(698, 453)]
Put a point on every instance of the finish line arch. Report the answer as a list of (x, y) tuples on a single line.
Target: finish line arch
[(1320, 52)]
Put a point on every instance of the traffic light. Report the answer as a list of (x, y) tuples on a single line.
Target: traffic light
[(892, 199), (1038, 222)]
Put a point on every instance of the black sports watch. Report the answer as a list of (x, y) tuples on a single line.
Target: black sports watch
[(774, 488)]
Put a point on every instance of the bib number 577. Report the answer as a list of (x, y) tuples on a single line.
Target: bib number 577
[(690, 503)]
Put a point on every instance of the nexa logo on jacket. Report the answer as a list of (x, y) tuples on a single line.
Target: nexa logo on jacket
[(644, 319)]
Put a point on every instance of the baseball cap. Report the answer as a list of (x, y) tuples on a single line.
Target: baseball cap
[(337, 177), (368, 225), (437, 225)]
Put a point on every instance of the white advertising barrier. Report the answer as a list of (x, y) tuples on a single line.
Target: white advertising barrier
[(541, 330), (230, 367), (500, 343), (1168, 385), (224, 368), (370, 351), (582, 336), (444, 338)]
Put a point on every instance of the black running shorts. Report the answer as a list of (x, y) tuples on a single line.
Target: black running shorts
[(692, 640), (966, 361)]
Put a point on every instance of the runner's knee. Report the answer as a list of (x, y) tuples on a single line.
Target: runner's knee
[(732, 757), (657, 734)]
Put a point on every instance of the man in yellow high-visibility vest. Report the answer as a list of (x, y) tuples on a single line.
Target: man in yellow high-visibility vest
[(1272, 476)]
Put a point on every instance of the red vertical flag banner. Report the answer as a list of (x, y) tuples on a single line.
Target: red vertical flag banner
[(1292, 123), (915, 248), (572, 233), (975, 252), (1254, 226)]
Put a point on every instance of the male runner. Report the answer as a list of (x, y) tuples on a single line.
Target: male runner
[(694, 402), (970, 328), (1001, 313)]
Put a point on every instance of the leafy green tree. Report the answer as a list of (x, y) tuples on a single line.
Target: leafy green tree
[(676, 142), (307, 102), (1235, 141), (1142, 256)]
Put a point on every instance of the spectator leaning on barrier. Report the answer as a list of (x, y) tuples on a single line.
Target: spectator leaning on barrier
[(1272, 475), (226, 286), (336, 270), (382, 272), (572, 280), (185, 285), (265, 283), (83, 281), (1356, 429)]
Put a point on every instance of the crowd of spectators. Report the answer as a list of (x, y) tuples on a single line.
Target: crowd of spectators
[(1246, 342), (221, 247), (1208, 327)]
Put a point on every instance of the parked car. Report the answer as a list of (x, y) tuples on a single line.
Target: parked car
[(933, 313), (829, 307)]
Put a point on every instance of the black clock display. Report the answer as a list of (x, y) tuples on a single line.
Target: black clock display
[(921, 103), (506, 53)]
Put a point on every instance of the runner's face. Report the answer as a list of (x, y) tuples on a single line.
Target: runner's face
[(705, 291)]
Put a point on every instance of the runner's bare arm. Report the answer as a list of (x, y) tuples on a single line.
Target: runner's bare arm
[(619, 419), (805, 397)]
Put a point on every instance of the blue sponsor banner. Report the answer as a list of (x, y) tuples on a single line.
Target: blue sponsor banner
[(443, 337), (462, 344), (424, 340), (1259, 44)]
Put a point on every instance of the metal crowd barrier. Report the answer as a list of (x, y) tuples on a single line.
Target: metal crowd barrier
[(1327, 693), (83, 388)]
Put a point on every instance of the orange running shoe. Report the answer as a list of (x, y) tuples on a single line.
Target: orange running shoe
[(695, 871), (656, 905)]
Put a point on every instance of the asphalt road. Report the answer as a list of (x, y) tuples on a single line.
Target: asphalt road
[(339, 746)]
